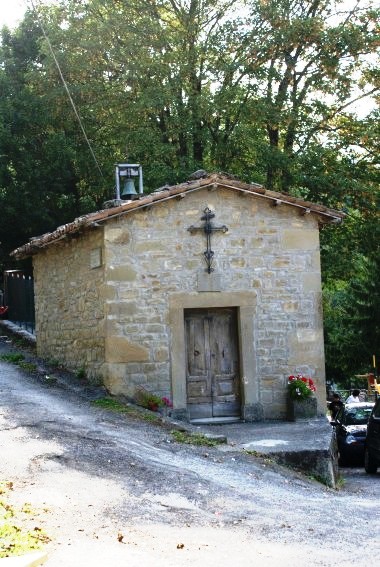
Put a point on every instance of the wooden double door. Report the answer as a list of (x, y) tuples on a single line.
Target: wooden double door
[(212, 354)]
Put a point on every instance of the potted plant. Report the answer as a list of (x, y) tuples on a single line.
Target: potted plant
[(302, 403), (152, 401)]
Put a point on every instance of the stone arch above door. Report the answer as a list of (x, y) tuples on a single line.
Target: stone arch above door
[(245, 303)]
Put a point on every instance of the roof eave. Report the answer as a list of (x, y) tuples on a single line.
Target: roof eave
[(213, 181)]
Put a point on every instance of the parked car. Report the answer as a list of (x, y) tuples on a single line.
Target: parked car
[(372, 442), (351, 427)]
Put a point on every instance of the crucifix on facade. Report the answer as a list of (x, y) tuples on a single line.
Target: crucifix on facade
[(208, 228)]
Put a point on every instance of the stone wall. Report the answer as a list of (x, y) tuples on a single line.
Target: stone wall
[(150, 257), (69, 297), (111, 300)]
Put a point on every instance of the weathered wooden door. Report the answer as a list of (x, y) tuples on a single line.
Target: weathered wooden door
[(212, 374)]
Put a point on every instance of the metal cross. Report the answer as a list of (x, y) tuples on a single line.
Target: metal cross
[(208, 228)]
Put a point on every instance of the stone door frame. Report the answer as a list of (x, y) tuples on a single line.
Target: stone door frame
[(245, 303)]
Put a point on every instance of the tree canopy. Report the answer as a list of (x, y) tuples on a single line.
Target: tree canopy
[(279, 92)]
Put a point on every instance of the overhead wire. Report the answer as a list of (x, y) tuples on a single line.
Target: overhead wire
[(40, 23)]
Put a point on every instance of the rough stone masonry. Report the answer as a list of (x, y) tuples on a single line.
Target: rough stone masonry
[(110, 295)]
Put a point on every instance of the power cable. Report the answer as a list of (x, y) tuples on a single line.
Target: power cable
[(39, 20)]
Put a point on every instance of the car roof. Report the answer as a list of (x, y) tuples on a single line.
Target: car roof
[(360, 405)]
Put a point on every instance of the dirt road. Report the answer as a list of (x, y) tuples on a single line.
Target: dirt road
[(115, 491)]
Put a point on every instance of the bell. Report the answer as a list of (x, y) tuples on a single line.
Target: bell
[(129, 191)]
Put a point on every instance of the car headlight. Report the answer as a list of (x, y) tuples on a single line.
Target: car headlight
[(351, 439)]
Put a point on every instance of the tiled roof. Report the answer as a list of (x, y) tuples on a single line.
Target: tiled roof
[(200, 181)]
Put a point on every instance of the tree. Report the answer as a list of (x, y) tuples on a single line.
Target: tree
[(184, 84), (155, 66), (351, 256), (352, 320), (39, 184), (316, 53), (263, 89)]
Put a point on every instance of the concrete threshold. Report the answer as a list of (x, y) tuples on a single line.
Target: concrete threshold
[(306, 445), (215, 420)]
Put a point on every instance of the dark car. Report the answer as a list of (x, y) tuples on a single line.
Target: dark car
[(372, 443), (351, 428)]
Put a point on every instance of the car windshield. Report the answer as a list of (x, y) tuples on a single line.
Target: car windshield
[(358, 416)]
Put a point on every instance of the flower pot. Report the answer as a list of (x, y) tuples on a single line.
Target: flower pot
[(301, 409)]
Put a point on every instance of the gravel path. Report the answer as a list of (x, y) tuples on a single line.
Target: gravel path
[(112, 490)]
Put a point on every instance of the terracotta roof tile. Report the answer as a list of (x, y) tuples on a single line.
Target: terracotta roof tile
[(216, 179)]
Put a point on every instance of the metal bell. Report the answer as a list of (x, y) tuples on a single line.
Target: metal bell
[(129, 191)]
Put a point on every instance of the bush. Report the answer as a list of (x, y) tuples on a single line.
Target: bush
[(148, 400), (151, 401)]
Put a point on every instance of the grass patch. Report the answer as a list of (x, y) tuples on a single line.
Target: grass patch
[(340, 482), (113, 405), (19, 359), (28, 366), (316, 478), (110, 404), (13, 357), (193, 438), (81, 373), (149, 417), (148, 400), (253, 453), (14, 538)]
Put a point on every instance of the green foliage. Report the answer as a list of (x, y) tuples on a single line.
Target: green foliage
[(350, 262), (193, 439), (28, 366), (110, 404), (14, 357), (148, 400), (253, 453), (18, 359), (113, 405), (38, 174), (352, 320), (298, 390), (340, 482), (177, 86), (14, 538), (202, 88), (81, 373)]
